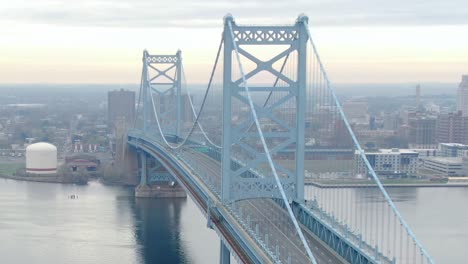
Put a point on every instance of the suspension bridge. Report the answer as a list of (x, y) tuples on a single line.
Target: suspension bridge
[(268, 119)]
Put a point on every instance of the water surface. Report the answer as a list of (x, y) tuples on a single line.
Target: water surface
[(39, 223)]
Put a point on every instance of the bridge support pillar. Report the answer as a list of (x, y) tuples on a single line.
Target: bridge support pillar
[(224, 254), (167, 188), (143, 168)]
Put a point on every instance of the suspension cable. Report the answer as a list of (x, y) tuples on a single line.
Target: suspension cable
[(197, 115), (139, 96), (361, 151), (266, 149), (193, 108)]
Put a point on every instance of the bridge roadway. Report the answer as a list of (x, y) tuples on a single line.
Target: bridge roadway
[(271, 219)]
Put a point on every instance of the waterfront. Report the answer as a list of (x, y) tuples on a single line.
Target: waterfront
[(39, 223)]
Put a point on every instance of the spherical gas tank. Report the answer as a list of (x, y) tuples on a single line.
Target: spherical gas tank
[(41, 158)]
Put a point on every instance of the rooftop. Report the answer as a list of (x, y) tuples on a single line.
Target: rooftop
[(394, 151), (454, 145), (446, 160)]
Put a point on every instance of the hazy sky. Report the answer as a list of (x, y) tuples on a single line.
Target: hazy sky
[(101, 41)]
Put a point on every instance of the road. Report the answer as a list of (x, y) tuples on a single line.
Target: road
[(271, 220)]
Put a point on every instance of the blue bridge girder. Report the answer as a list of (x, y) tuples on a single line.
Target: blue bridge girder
[(238, 240)]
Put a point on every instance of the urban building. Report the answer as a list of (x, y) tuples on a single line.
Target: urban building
[(432, 108), (462, 96), (452, 127), (340, 135), (406, 114), (422, 132), (453, 150), (389, 162), (391, 121), (418, 97), (84, 163), (372, 123), (465, 165), (444, 166), (120, 104), (425, 153)]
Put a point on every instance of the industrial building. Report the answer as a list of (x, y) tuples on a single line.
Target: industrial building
[(444, 166), (41, 158), (389, 162)]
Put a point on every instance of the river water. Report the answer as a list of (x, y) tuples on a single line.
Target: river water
[(39, 223)]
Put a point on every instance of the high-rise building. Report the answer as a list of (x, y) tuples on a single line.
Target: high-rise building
[(452, 128), (391, 121), (462, 96), (422, 132), (120, 105), (418, 97), (372, 124)]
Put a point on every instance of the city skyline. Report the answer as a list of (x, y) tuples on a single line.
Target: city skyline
[(102, 41)]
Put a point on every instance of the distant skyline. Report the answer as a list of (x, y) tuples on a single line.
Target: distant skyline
[(363, 41)]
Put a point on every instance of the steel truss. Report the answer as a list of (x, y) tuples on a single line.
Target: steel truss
[(236, 183), (159, 83)]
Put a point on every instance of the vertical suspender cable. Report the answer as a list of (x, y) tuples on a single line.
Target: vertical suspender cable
[(363, 156)]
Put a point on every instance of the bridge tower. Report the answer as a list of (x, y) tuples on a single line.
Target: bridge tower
[(161, 81), (162, 76), (236, 183)]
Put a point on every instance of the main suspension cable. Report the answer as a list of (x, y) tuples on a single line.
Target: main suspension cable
[(192, 129)]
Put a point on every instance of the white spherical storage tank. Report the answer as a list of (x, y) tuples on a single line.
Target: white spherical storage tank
[(41, 158)]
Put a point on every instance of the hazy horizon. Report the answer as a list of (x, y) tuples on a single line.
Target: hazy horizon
[(348, 89)]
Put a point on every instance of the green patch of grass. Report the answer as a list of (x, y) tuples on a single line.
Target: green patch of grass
[(10, 168)]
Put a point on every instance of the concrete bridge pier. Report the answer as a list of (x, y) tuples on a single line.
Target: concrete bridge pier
[(156, 182), (224, 254)]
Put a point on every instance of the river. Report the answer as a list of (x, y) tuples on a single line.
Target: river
[(39, 223)]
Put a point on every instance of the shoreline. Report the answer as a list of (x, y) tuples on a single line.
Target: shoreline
[(387, 185), (45, 179)]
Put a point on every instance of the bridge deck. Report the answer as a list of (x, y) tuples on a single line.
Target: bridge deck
[(271, 218)]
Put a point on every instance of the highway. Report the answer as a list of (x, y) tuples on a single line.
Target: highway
[(272, 220)]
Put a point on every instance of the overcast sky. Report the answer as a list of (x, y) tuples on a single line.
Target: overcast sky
[(102, 41)]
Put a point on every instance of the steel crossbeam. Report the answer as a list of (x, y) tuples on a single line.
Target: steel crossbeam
[(294, 38)]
